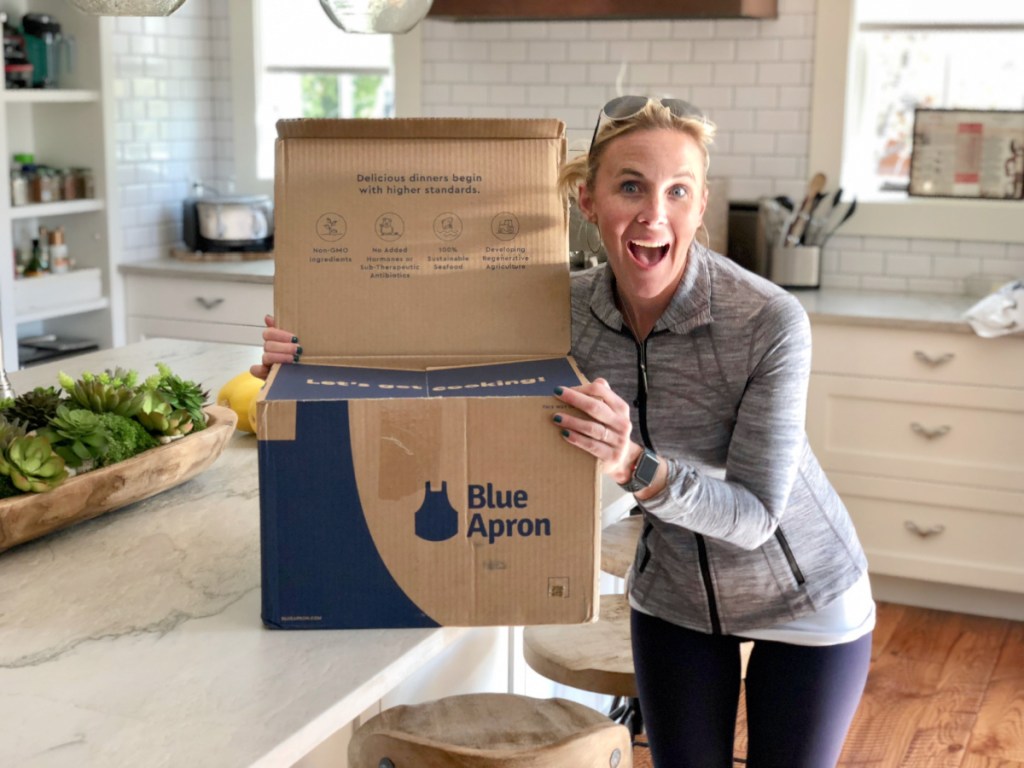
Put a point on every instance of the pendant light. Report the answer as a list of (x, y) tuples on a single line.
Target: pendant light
[(128, 7), (376, 16)]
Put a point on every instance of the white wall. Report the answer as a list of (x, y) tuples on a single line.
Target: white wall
[(754, 79), (173, 93)]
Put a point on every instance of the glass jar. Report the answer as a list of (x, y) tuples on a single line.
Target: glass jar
[(85, 184), (43, 187), (19, 188), (68, 184)]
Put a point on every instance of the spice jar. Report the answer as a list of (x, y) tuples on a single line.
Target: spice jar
[(19, 188), (68, 186), (85, 184), (59, 261)]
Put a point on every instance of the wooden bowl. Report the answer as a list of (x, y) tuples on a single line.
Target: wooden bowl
[(91, 494)]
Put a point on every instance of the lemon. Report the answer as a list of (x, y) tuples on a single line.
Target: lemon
[(239, 395)]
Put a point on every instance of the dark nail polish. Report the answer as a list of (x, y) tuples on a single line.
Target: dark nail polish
[(565, 433), (295, 358), (295, 339), (558, 390), (558, 419), (298, 350)]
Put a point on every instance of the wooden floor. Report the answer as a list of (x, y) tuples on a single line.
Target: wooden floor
[(945, 690)]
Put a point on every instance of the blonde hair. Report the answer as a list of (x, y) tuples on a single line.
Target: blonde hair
[(653, 116)]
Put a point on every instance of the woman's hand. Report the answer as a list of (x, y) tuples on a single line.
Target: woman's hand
[(278, 347), (604, 430)]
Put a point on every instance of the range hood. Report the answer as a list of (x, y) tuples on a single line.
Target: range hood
[(524, 10)]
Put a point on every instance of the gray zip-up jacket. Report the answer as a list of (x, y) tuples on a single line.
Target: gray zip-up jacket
[(748, 533)]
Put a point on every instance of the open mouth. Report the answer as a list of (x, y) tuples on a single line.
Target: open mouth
[(648, 253)]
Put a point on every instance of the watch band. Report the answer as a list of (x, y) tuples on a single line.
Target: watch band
[(644, 470)]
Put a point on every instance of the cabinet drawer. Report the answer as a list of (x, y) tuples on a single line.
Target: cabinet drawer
[(954, 358), (936, 539), (212, 301), (942, 433)]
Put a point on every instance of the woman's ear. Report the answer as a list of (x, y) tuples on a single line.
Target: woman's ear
[(585, 201)]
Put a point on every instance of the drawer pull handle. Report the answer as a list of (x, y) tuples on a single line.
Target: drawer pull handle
[(209, 303), (934, 362), (930, 434), (924, 533)]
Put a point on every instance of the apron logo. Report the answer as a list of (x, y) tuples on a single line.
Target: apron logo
[(438, 520)]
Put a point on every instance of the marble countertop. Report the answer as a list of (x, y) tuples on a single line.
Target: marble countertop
[(924, 311), (135, 639), (257, 271), (875, 308)]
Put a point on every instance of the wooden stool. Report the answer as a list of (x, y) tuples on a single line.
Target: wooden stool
[(618, 545), (594, 657), (491, 730)]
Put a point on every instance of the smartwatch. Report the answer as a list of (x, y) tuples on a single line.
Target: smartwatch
[(643, 472)]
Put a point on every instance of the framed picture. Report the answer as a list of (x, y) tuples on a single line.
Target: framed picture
[(968, 153)]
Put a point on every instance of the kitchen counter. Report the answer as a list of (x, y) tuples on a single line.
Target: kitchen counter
[(259, 271), (937, 312), (135, 639), (942, 312)]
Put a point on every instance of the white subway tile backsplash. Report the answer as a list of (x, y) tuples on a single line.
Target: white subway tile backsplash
[(547, 50), (175, 122), (692, 73), (735, 74), (693, 30), (714, 50), (507, 51), (588, 51), (655, 29), (907, 265)]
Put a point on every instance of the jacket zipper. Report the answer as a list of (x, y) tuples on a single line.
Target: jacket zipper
[(702, 549), (793, 566)]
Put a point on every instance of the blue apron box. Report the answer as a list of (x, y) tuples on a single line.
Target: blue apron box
[(410, 473), (394, 498)]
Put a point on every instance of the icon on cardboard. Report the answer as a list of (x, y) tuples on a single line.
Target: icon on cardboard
[(448, 226), (331, 227), (505, 226), (436, 519), (389, 227)]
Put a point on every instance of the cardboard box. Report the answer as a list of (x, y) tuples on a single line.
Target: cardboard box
[(410, 474)]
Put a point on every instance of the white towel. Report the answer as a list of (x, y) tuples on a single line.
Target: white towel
[(999, 313)]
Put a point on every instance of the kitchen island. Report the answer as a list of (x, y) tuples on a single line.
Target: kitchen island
[(135, 639)]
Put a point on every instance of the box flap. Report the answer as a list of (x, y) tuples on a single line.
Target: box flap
[(423, 237)]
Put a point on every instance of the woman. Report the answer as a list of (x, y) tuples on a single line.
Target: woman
[(699, 375)]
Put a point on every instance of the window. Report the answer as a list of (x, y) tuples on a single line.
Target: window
[(860, 104), (905, 55), (289, 60)]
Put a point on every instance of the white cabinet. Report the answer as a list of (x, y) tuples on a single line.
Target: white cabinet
[(67, 127), (196, 308), (922, 433)]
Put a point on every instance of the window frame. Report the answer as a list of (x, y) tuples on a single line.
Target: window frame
[(408, 57), (999, 221)]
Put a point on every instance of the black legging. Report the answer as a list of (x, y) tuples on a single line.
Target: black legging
[(800, 700)]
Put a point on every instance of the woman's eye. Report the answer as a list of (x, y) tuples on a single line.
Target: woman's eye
[(679, 191), (630, 187)]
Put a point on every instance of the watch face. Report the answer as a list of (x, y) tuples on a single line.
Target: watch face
[(646, 468)]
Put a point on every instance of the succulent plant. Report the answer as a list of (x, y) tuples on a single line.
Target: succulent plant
[(105, 393), (34, 408), (9, 430), (77, 436), (32, 465), (125, 438), (159, 416), (181, 394)]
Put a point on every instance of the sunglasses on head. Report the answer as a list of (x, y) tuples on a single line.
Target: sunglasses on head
[(622, 107)]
